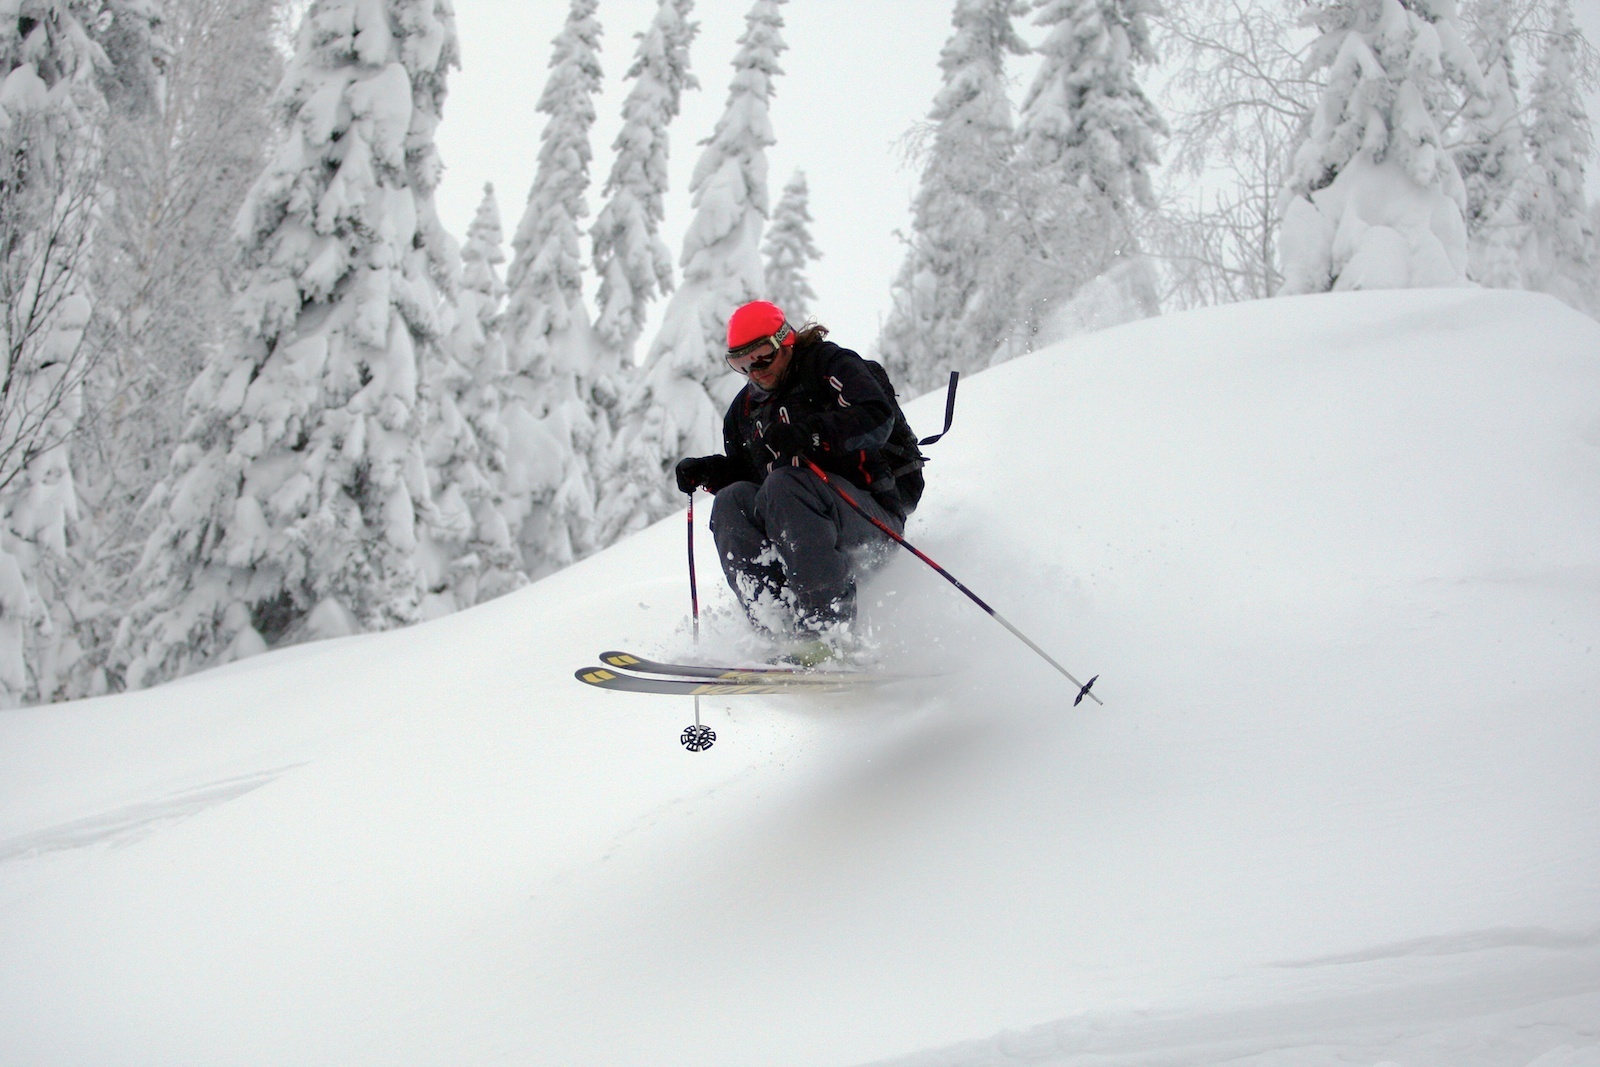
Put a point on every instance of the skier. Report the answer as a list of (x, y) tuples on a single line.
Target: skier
[(792, 549), (811, 419)]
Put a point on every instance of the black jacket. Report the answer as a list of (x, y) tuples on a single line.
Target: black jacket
[(831, 395)]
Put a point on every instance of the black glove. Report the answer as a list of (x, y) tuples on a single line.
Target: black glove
[(711, 473), (785, 440)]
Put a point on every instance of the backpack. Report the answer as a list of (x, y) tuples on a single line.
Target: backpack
[(903, 451)]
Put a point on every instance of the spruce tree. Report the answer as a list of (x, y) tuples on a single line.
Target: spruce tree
[(630, 259), (960, 208), (551, 418), (470, 555), (1086, 145), (1375, 200), (676, 406), (1085, 117), (788, 249), (298, 495)]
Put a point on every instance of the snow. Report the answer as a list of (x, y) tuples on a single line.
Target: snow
[(1374, 228), (1332, 556)]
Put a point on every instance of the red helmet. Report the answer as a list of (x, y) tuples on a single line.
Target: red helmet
[(758, 323)]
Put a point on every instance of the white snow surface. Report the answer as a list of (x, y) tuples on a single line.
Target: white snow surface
[(1333, 557)]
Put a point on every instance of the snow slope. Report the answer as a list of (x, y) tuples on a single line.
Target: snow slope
[(1334, 558)]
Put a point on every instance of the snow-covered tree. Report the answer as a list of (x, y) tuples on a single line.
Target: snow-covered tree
[(1492, 155), (50, 159), (1375, 199), (481, 259), (630, 259), (136, 38), (1553, 204), (39, 637), (1086, 145), (50, 152), (675, 407), (550, 417), (961, 204), (789, 249), (1239, 95), (545, 277), (298, 496), (165, 265), (181, 149), (1085, 119), (470, 555)]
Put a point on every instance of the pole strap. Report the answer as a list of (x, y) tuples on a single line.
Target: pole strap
[(949, 410)]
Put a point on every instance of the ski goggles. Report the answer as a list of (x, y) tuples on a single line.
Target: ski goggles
[(749, 356)]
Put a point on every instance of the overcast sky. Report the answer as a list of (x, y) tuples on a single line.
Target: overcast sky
[(859, 74)]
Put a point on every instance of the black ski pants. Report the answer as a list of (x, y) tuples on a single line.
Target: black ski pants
[(794, 537)]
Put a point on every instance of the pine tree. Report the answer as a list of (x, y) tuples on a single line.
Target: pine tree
[(298, 495), (961, 205), (630, 259), (470, 555), (676, 407), (1553, 203), (1086, 144), (551, 419), (788, 249), (51, 109), (1375, 200)]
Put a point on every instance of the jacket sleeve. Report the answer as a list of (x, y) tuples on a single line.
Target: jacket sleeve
[(856, 415)]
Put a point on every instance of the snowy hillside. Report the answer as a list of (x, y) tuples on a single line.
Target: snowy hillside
[(1333, 557)]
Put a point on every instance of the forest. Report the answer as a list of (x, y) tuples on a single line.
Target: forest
[(255, 394)]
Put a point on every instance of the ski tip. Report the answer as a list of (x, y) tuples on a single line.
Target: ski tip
[(593, 675), (619, 659), (1084, 692)]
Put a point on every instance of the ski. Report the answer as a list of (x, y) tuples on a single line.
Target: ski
[(628, 661), (757, 685)]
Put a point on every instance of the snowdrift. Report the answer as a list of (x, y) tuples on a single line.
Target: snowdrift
[(1334, 558)]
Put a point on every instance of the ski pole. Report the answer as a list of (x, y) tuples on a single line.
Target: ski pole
[(696, 738), (1083, 687), (694, 601), (694, 592)]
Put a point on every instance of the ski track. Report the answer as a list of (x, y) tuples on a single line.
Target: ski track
[(1526, 998), (125, 825)]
